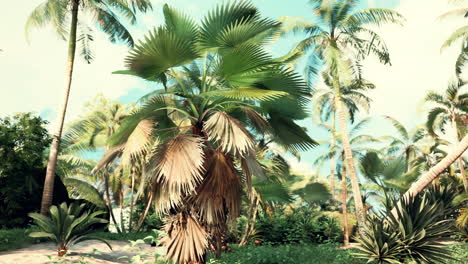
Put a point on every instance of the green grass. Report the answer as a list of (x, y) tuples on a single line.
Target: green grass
[(122, 236), (308, 254), (316, 254), (15, 238)]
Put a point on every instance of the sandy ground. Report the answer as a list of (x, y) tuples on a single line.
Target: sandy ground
[(89, 252)]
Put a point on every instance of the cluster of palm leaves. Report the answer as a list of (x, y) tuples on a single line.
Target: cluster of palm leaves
[(413, 231), (222, 92), (67, 225)]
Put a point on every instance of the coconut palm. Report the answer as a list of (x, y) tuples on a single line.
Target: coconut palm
[(341, 39), (461, 33), (220, 90), (354, 99), (63, 16), (449, 108)]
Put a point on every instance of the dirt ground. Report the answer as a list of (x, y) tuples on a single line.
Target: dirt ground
[(89, 252)]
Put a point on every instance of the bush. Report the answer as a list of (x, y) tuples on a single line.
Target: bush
[(411, 232), (122, 236), (303, 225), (287, 254), (16, 238)]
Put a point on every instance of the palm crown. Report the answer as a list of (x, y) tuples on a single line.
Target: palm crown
[(221, 90)]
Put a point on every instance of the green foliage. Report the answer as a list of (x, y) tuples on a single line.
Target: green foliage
[(15, 238), (122, 236), (413, 231), (67, 225), (304, 254), (23, 141), (303, 225)]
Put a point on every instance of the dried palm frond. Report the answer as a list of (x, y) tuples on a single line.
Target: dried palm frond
[(178, 163), (220, 191), (186, 240), (165, 199), (137, 142), (110, 155), (251, 167), (229, 133)]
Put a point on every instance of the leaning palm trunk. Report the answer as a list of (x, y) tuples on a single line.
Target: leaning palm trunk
[(145, 213), (350, 163), (344, 207), (460, 159), (435, 171), (243, 241), (48, 191)]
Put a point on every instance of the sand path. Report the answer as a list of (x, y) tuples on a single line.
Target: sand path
[(89, 252)]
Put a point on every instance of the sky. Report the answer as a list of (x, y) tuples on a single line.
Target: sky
[(32, 73)]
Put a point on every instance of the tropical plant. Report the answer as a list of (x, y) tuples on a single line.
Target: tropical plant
[(461, 33), (354, 99), (341, 39), (62, 14), (406, 144), (67, 225), (412, 232), (449, 108), (221, 89)]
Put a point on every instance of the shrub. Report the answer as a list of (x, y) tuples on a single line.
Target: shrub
[(412, 232), (15, 238), (67, 225), (303, 225)]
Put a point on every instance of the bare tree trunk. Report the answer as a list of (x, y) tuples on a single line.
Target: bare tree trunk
[(350, 162), (121, 194), (132, 200), (145, 213), (48, 192), (435, 171), (344, 198)]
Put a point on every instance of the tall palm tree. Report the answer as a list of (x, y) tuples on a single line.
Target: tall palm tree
[(449, 108), (63, 16), (341, 39), (221, 89), (354, 99)]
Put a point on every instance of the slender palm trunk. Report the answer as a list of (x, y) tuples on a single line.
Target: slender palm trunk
[(435, 171), (249, 219), (48, 192), (145, 213), (109, 201), (121, 194), (350, 161), (344, 198), (132, 201), (332, 160), (460, 159)]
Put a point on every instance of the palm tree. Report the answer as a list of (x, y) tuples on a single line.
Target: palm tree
[(64, 14), (221, 89), (405, 145), (354, 99), (449, 108), (341, 39), (359, 145)]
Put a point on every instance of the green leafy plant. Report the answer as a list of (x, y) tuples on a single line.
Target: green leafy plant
[(67, 225), (412, 230)]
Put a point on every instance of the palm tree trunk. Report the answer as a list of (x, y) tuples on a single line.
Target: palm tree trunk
[(247, 225), (121, 194), (332, 161), (109, 201), (145, 213), (132, 200), (350, 162), (48, 192), (435, 171), (344, 198), (460, 159)]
